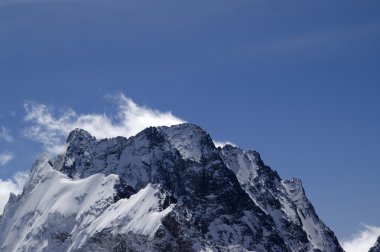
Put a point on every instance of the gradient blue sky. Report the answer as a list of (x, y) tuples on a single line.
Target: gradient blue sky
[(298, 81)]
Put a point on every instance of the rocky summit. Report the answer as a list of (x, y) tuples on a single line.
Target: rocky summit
[(164, 189)]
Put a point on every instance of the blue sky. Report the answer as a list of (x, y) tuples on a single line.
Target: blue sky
[(298, 81)]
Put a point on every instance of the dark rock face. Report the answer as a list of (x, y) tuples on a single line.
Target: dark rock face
[(123, 191), (209, 198)]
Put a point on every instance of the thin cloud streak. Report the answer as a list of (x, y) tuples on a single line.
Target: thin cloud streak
[(363, 240), (6, 157), (51, 130), (6, 134)]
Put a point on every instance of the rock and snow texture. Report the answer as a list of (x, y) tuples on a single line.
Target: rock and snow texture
[(165, 189), (376, 247), (284, 200), (59, 213)]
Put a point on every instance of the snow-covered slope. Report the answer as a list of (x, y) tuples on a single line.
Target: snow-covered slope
[(165, 189), (59, 214)]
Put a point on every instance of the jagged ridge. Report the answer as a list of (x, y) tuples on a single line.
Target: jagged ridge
[(165, 189)]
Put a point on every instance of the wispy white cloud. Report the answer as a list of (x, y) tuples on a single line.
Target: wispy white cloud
[(51, 130), (363, 240), (223, 143), (13, 185), (6, 157), (6, 134)]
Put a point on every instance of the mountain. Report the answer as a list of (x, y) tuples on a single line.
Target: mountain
[(165, 189), (376, 247)]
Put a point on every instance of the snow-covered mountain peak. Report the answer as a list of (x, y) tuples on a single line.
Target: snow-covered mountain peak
[(79, 135), (164, 189), (39, 172), (192, 141), (284, 200)]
